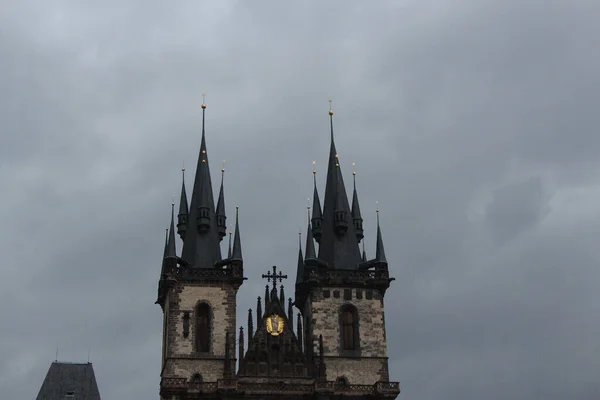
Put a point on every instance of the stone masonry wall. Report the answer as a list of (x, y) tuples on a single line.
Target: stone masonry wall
[(322, 312), (183, 360)]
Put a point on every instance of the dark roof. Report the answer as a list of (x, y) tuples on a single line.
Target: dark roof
[(338, 251), (63, 379), (201, 249)]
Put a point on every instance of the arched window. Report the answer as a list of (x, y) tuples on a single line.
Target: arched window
[(203, 328), (349, 328)]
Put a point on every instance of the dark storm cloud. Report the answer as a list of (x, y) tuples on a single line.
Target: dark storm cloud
[(472, 123)]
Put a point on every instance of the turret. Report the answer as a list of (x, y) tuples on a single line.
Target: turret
[(221, 218), (356, 217), (317, 216), (182, 217)]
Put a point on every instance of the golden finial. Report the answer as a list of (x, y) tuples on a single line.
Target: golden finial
[(314, 168), (330, 110), (203, 101), (354, 172), (183, 166), (237, 207), (173, 201), (377, 207), (223, 167)]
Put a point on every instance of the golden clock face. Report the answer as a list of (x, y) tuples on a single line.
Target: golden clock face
[(274, 324)]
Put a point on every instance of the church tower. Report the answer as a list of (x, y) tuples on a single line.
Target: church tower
[(340, 293), (197, 291), (334, 348)]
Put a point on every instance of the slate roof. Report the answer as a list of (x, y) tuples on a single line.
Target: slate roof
[(65, 379)]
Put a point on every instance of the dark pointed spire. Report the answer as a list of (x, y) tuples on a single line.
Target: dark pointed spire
[(250, 326), (310, 254), (267, 296), (317, 215), (379, 251), (364, 253), (229, 252), (236, 253), (165, 252), (171, 250), (221, 218), (182, 217), (201, 248), (281, 297), (259, 310), (338, 246), (356, 217), (299, 332), (290, 314), (241, 344), (300, 267)]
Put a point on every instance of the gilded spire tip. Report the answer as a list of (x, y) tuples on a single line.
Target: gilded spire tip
[(330, 110), (223, 167), (203, 101), (354, 172)]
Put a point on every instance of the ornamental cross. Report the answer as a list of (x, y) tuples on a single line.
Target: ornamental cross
[(273, 277)]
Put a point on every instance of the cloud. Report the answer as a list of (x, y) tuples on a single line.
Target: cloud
[(472, 124)]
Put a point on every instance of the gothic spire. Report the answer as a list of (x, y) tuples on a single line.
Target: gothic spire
[(171, 251), (300, 268), (201, 248), (221, 218), (165, 252), (229, 251), (182, 217), (364, 253), (317, 216), (311, 254), (236, 253), (338, 245), (356, 217), (379, 251)]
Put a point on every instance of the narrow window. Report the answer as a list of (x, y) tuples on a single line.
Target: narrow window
[(203, 328), (349, 328), (186, 324)]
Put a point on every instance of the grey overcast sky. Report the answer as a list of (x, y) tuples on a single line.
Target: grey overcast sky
[(473, 123)]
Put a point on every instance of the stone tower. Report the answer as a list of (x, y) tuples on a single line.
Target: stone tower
[(336, 348), (197, 291), (339, 292)]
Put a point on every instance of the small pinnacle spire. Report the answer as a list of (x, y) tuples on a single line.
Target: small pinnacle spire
[(259, 310), (311, 254), (250, 326), (356, 217), (364, 253), (299, 330), (290, 314), (229, 252), (171, 251), (300, 267), (317, 215), (379, 251), (237, 242), (182, 216), (267, 295), (165, 252), (281, 297), (221, 217)]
